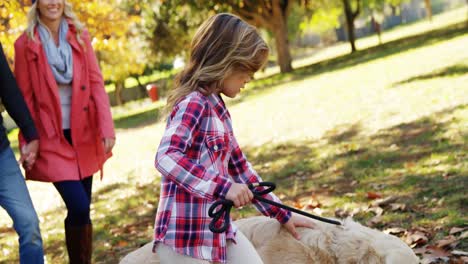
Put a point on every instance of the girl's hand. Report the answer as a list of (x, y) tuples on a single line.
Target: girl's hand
[(297, 220), (240, 194), (108, 144)]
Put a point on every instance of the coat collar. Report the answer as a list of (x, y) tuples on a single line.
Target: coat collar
[(36, 45)]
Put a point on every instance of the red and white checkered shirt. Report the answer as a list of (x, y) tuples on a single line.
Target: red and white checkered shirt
[(199, 158)]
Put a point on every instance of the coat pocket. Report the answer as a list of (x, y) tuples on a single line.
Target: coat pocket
[(47, 124)]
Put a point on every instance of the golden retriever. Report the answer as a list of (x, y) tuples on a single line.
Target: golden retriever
[(350, 243)]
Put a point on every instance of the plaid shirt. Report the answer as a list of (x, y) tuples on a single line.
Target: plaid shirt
[(199, 158)]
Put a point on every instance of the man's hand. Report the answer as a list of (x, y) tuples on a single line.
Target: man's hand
[(297, 220), (108, 144), (240, 194), (29, 154)]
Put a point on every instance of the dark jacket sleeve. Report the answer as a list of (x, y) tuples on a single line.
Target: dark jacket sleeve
[(13, 100)]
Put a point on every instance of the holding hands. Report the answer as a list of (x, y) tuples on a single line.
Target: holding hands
[(29, 154)]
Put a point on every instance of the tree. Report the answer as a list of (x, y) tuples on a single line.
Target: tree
[(118, 47), (350, 15), (173, 19), (271, 15), (12, 22), (119, 51), (428, 6)]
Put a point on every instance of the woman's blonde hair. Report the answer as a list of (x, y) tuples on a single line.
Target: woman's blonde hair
[(222, 45), (34, 20)]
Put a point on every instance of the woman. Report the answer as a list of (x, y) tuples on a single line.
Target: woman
[(59, 76)]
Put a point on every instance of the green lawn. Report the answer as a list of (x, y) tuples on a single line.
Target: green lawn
[(390, 120)]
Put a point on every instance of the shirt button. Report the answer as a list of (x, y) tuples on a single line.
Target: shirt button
[(83, 87), (215, 147)]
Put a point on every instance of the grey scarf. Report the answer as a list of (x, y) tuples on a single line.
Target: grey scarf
[(60, 58)]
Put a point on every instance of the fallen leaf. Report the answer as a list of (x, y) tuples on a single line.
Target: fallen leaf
[(416, 238), (374, 220), (459, 253), (455, 230), (341, 213), (373, 195), (394, 230), (397, 206), (378, 211), (446, 241), (122, 243), (383, 201), (432, 254), (463, 235)]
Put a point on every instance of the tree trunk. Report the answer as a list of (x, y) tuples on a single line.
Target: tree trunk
[(280, 30), (119, 86), (428, 9), (141, 88), (350, 17), (377, 28)]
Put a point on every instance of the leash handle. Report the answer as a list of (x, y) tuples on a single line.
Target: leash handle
[(218, 213)]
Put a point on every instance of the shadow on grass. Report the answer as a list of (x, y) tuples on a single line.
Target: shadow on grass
[(141, 119), (417, 161), (360, 56), (454, 70)]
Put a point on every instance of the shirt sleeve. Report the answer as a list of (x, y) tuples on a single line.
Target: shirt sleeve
[(172, 162), (14, 102), (242, 171)]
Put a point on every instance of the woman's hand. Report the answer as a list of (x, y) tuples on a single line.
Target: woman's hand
[(108, 144), (297, 220), (29, 154), (240, 194)]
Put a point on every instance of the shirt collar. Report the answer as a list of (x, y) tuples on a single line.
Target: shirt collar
[(218, 105)]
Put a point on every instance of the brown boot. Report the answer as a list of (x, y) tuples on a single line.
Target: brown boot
[(79, 243)]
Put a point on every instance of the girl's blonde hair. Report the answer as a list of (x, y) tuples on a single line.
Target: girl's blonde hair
[(34, 20), (222, 45)]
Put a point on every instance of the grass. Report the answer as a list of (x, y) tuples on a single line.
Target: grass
[(389, 119)]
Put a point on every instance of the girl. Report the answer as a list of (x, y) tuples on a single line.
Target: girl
[(59, 77), (199, 157)]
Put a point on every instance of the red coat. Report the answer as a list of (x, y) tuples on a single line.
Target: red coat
[(90, 119)]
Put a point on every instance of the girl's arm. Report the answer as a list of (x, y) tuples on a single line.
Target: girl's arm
[(242, 171), (172, 162)]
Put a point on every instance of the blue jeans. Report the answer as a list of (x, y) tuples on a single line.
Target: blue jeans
[(15, 199)]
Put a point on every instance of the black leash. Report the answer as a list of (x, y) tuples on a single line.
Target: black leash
[(226, 205)]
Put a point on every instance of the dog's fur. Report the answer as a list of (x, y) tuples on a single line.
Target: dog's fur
[(326, 243), (350, 243)]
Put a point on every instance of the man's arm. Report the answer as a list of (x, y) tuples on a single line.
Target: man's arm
[(13, 100)]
